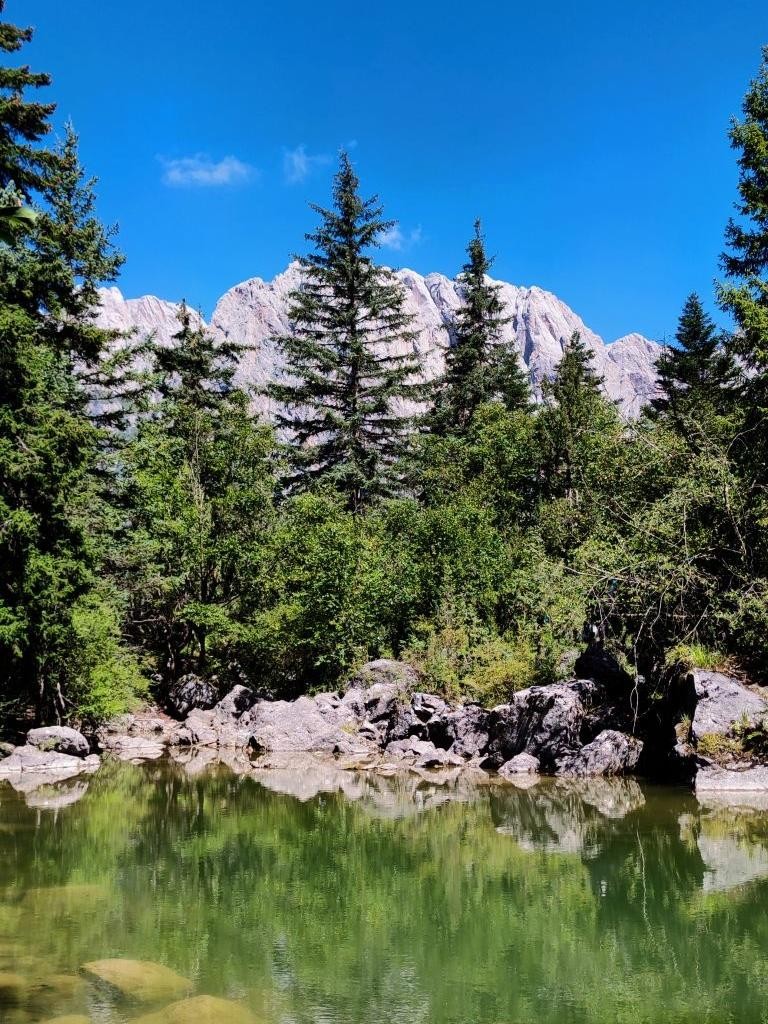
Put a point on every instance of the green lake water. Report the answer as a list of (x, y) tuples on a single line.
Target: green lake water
[(312, 896)]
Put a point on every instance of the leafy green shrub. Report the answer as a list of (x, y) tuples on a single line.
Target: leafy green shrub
[(105, 677), (719, 747)]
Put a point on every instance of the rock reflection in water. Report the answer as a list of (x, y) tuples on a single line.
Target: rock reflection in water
[(304, 889)]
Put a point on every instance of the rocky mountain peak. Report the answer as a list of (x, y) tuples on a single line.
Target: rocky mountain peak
[(255, 311)]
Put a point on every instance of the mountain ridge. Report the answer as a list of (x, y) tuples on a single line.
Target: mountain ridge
[(254, 311)]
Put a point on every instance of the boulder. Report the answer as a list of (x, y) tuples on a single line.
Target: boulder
[(410, 749), (543, 720), (60, 738), (191, 692), (422, 753), (722, 780), (520, 764), (466, 730), (439, 758), (6, 749), (306, 724), (239, 700), (403, 722), (721, 704), (140, 980), (429, 708), (200, 1010), (399, 674), (31, 760), (609, 753), (375, 703)]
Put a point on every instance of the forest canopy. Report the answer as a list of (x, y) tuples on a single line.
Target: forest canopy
[(151, 525)]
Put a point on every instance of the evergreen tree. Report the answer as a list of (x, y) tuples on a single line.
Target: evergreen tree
[(745, 295), (195, 370), (59, 633), (348, 358), (747, 238), (575, 410), (199, 484), (700, 374), (23, 122), (479, 367)]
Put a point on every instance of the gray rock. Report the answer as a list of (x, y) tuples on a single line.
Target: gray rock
[(306, 724), (520, 764), (191, 692), (543, 720), (428, 707), (609, 753), (29, 760), (6, 749), (721, 704), (439, 758), (467, 730), (410, 749), (403, 722), (60, 738), (201, 728), (723, 780), (399, 674)]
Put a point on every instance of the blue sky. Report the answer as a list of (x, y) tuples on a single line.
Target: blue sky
[(591, 137)]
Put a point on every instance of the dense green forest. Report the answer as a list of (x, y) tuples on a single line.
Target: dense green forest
[(151, 525)]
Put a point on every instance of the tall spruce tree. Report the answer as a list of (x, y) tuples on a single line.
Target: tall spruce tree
[(349, 356), (746, 261), (575, 409), (59, 632), (198, 492), (745, 293), (699, 375), (23, 122), (479, 367)]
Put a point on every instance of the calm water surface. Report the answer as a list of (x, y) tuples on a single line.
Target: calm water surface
[(333, 898)]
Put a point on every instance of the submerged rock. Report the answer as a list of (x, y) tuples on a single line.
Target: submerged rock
[(132, 748), (200, 1010), (13, 988), (141, 980), (54, 798), (68, 1018), (59, 738)]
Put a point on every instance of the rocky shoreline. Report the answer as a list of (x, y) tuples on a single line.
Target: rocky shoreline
[(383, 722)]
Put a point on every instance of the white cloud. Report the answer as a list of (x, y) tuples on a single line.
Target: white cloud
[(203, 172), (298, 164), (399, 240)]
